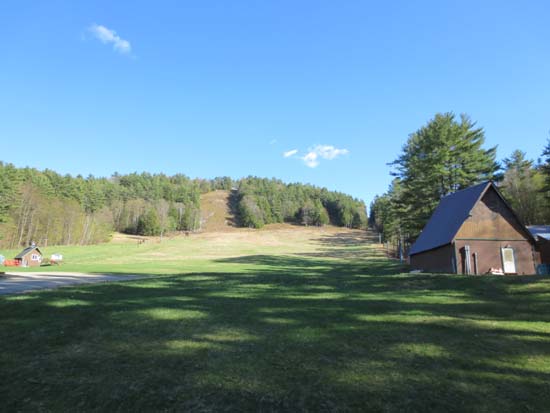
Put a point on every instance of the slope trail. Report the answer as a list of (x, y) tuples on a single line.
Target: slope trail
[(217, 212)]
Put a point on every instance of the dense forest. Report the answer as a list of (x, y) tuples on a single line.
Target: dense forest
[(447, 155), (266, 201), (51, 209)]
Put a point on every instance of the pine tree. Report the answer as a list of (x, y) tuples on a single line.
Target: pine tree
[(545, 167), (250, 213), (442, 157), (149, 224)]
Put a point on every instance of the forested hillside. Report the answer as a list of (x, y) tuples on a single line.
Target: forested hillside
[(266, 201), (53, 209)]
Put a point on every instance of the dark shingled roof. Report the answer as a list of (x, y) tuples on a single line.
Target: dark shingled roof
[(26, 251), (541, 231), (448, 217)]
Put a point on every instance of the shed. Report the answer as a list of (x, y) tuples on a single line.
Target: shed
[(475, 231), (541, 233), (29, 257)]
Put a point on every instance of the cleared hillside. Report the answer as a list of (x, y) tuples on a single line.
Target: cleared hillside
[(216, 214)]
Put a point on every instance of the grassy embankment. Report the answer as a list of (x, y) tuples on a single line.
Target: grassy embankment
[(286, 320)]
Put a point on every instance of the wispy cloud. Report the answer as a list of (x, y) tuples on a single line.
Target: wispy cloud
[(311, 159), (108, 36), (328, 152), (273, 141), (316, 154)]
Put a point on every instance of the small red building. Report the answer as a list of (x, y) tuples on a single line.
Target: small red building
[(29, 257), (475, 231)]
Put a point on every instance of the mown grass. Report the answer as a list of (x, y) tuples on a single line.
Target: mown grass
[(297, 325), (180, 254)]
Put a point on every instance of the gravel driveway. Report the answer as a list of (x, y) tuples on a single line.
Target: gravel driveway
[(15, 283)]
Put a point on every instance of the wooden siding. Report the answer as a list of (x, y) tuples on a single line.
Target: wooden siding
[(27, 259), (437, 260), (491, 227), (492, 219), (489, 255)]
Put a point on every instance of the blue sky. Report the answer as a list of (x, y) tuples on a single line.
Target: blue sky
[(211, 88)]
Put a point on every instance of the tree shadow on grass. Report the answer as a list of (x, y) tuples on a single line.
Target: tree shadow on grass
[(233, 206), (345, 239), (346, 245), (281, 333)]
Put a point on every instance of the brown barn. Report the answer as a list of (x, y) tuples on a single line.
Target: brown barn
[(475, 231), (29, 257), (541, 233)]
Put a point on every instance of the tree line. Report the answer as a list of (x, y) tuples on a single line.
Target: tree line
[(49, 208), (259, 201), (53, 209), (447, 155)]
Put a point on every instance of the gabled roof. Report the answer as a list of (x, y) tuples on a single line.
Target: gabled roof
[(26, 251), (540, 231), (451, 213), (448, 217)]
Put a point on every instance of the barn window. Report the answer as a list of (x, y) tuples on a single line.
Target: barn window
[(35, 257)]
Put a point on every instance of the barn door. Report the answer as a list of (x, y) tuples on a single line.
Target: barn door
[(508, 261), (467, 260)]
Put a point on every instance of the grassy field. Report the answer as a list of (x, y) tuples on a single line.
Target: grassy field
[(282, 319)]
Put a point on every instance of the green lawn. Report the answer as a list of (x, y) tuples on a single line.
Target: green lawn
[(274, 321)]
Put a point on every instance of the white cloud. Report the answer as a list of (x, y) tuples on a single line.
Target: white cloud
[(328, 152), (273, 141), (288, 154), (108, 36), (311, 160)]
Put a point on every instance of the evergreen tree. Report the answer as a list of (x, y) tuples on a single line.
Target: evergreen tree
[(149, 224), (308, 214), (54, 209), (388, 215), (191, 218), (8, 190), (522, 185), (545, 168), (322, 215), (273, 201), (442, 157), (250, 213)]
